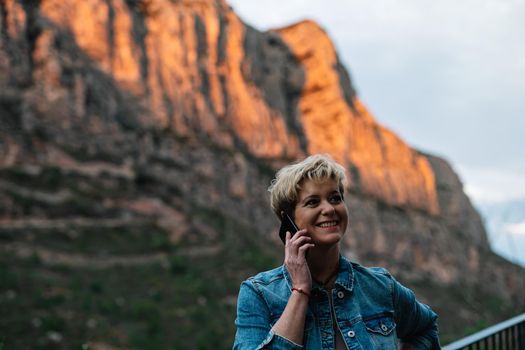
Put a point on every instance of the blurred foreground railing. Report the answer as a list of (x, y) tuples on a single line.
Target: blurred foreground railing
[(507, 335)]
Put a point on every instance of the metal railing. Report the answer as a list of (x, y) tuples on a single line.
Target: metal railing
[(507, 335)]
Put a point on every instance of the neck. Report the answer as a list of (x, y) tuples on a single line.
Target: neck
[(323, 262)]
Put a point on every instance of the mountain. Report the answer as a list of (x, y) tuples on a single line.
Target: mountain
[(137, 140)]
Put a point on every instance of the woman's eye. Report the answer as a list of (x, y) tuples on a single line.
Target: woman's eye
[(336, 198), (311, 202)]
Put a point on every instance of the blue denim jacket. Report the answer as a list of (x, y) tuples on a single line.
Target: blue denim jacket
[(372, 311)]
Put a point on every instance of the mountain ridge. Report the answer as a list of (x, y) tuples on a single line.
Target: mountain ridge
[(152, 129)]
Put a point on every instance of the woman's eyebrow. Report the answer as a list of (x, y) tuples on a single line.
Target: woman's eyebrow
[(309, 197)]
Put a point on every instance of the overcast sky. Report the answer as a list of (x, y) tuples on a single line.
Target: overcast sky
[(447, 76)]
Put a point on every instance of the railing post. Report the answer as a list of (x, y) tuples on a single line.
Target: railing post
[(521, 336)]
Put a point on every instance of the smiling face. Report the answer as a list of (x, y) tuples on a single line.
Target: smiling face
[(321, 210)]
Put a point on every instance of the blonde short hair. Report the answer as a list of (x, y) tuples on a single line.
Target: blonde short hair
[(284, 189)]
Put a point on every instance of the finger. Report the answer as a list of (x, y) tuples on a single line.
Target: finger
[(296, 247), (299, 233), (304, 249), (300, 241), (294, 242), (287, 237), (306, 246)]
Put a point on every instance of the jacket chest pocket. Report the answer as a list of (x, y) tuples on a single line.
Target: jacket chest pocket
[(381, 330)]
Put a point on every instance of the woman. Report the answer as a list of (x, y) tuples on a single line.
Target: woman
[(318, 299)]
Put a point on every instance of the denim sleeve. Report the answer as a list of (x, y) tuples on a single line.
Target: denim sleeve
[(253, 323), (416, 322)]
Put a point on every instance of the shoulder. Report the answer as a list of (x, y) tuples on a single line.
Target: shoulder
[(374, 272), (372, 276), (269, 277), (364, 271), (268, 290)]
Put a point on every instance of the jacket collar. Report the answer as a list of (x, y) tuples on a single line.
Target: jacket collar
[(345, 275)]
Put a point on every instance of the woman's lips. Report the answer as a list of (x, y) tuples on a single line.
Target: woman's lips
[(328, 225)]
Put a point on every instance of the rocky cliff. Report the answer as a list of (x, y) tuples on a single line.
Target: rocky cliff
[(137, 139)]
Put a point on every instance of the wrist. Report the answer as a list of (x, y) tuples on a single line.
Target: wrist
[(302, 291)]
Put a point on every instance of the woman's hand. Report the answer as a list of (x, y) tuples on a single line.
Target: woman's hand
[(295, 250), (291, 323)]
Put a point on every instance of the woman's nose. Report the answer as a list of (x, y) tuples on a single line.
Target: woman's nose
[(327, 209)]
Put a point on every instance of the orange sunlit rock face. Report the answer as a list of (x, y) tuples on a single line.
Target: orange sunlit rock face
[(15, 26), (88, 21), (324, 113), (186, 63), (388, 168), (15, 21), (261, 128), (168, 53)]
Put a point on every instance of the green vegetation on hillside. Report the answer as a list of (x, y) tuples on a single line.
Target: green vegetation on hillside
[(183, 301)]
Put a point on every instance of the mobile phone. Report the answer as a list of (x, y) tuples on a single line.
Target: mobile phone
[(287, 224)]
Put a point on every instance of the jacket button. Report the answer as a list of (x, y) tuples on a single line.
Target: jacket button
[(351, 334), (384, 328), (340, 294)]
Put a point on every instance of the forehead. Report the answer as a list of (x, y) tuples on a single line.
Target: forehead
[(309, 187)]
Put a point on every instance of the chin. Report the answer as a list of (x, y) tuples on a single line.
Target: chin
[(328, 239)]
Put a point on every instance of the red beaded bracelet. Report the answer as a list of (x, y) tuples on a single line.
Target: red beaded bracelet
[(301, 291)]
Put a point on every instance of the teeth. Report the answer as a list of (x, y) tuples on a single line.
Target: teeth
[(328, 224)]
